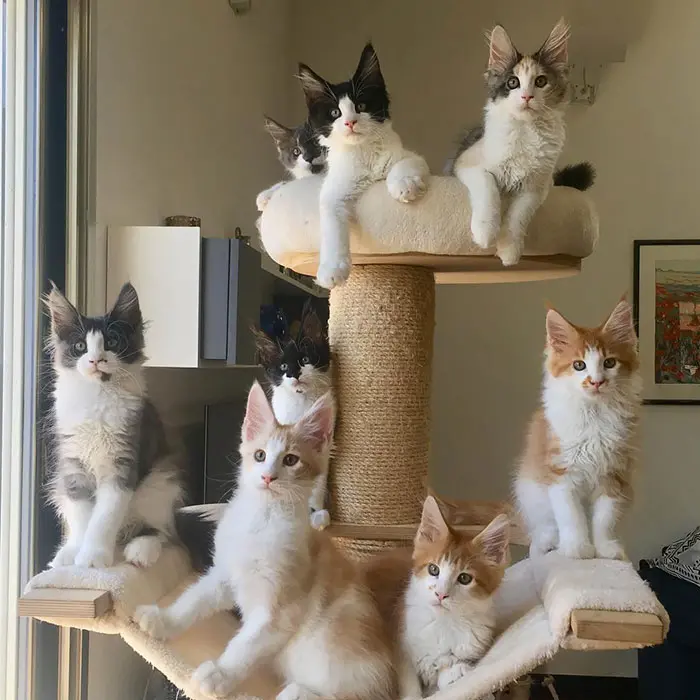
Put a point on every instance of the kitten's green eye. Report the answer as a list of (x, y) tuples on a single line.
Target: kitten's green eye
[(79, 346), (283, 367), (609, 362), (433, 569), (540, 81), (259, 455), (464, 578), (335, 113), (361, 107), (512, 83), (290, 460), (305, 360), (111, 343), (297, 152), (579, 365)]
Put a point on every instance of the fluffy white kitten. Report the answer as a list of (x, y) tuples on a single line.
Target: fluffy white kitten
[(353, 122), (305, 607)]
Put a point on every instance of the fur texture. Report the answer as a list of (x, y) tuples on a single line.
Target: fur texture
[(574, 480), (299, 152), (115, 479), (353, 122), (298, 371), (438, 602), (513, 154), (305, 607)]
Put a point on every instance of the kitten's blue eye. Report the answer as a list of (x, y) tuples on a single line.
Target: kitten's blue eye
[(433, 569), (79, 346), (579, 365), (512, 83), (259, 455), (335, 113), (361, 107), (290, 460), (283, 367), (540, 81), (609, 362), (305, 360), (465, 579), (111, 343)]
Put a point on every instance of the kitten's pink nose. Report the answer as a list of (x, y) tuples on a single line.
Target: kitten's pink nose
[(94, 362), (441, 596), (598, 383), (527, 98), (269, 479), (351, 124)]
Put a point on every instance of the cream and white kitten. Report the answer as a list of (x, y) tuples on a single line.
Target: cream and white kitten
[(575, 476), (513, 154), (305, 607), (438, 602), (353, 122)]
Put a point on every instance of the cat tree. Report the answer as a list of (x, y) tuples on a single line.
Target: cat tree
[(381, 331)]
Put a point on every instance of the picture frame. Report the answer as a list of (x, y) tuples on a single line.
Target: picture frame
[(667, 319)]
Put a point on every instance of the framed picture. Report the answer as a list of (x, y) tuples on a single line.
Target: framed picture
[(667, 317)]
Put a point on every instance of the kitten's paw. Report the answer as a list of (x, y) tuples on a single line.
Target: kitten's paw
[(406, 189), (212, 680), (452, 673), (153, 621), (320, 519), (334, 274), (143, 551), (95, 557), (64, 557), (577, 549), (610, 549), (509, 253), (485, 228)]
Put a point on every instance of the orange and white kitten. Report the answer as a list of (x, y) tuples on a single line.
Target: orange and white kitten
[(574, 477), (438, 601), (305, 608)]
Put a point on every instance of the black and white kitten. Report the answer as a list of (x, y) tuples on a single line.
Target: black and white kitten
[(115, 481), (298, 372), (353, 122), (299, 152), (512, 155)]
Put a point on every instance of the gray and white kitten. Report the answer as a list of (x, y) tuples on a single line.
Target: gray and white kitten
[(115, 481), (299, 152), (513, 154)]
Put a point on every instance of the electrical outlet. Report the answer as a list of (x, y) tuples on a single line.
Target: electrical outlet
[(583, 94)]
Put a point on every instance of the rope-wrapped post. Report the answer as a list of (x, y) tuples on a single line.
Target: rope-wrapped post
[(381, 333)]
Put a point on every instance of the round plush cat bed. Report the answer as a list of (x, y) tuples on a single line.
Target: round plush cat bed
[(432, 232)]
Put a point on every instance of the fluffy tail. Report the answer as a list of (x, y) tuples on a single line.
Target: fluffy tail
[(580, 176), (195, 527)]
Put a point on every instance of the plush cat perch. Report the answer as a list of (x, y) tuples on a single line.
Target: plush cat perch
[(543, 605), (432, 232)]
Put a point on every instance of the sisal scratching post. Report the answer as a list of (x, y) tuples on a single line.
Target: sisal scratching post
[(381, 333)]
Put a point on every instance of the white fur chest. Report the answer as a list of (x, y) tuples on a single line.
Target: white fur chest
[(368, 161), (289, 405), (594, 436), (435, 638), (92, 417), (517, 151), (255, 544)]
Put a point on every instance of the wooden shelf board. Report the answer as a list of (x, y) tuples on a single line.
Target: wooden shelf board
[(462, 269), (70, 603), (607, 626)]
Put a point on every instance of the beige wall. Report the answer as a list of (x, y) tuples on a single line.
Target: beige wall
[(180, 89)]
